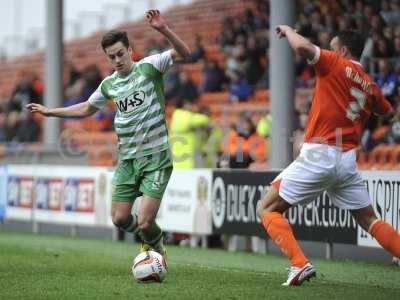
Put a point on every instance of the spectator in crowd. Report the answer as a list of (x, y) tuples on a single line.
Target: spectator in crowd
[(227, 40), (236, 61), (28, 130), (254, 56), (187, 91), (184, 123), (304, 73), (74, 93), (92, 76), (383, 48), (213, 136), (396, 43), (324, 37), (239, 89), (198, 51), (70, 74), (24, 92), (171, 83), (264, 125), (391, 12), (387, 80), (244, 145), (213, 77), (3, 122), (11, 126)]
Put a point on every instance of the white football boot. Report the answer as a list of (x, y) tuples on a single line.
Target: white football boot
[(298, 275)]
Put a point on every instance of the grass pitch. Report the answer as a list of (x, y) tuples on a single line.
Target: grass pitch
[(51, 267)]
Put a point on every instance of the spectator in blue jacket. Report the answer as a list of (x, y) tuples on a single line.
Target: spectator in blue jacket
[(387, 80), (239, 89)]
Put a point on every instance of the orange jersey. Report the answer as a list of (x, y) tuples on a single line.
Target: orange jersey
[(344, 98)]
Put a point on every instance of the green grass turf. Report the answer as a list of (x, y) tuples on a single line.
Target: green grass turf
[(51, 267)]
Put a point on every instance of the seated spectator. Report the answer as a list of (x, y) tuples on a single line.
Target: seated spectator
[(394, 133), (244, 145), (28, 130), (397, 50), (387, 80), (24, 93), (324, 38), (70, 74), (187, 91), (198, 49), (227, 40), (254, 56), (3, 120), (93, 78), (304, 73), (237, 60), (213, 77), (11, 126), (393, 136), (74, 94), (171, 83), (239, 89), (391, 12), (383, 48)]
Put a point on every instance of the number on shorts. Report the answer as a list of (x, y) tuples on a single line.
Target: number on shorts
[(355, 107)]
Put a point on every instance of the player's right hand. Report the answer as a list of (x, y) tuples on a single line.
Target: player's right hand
[(35, 107)]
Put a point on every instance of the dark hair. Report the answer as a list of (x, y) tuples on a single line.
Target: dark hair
[(113, 36), (353, 40)]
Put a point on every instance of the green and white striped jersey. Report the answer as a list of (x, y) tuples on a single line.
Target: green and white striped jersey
[(139, 96)]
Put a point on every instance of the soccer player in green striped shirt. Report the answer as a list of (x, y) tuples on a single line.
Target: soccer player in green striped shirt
[(145, 162)]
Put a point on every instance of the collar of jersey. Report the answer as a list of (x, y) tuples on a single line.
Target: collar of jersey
[(356, 62)]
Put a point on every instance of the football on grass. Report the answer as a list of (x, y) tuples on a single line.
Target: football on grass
[(149, 266)]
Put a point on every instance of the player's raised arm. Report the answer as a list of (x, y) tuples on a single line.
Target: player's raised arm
[(297, 42), (79, 110), (158, 23)]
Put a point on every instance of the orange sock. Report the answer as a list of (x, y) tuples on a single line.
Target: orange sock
[(386, 236), (281, 233)]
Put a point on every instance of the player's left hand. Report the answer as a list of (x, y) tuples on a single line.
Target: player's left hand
[(281, 30), (155, 20)]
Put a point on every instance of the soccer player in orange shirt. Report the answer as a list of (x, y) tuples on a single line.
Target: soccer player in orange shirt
[(343, 99)]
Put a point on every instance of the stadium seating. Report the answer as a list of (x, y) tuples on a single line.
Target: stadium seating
[(206, 17), (382, 157)]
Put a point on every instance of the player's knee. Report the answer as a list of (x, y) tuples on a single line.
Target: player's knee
[(145, 224), (260, 209), (119, 219), (271, 203), (263, 208)]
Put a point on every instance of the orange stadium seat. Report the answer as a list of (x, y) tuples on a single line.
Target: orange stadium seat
[(362, 159), (394, 157), (380, 157), (261, 95), (216, 97)]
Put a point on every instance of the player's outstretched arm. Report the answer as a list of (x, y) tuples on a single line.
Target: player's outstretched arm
[(297, 42), (79, 110), (158, 23)]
